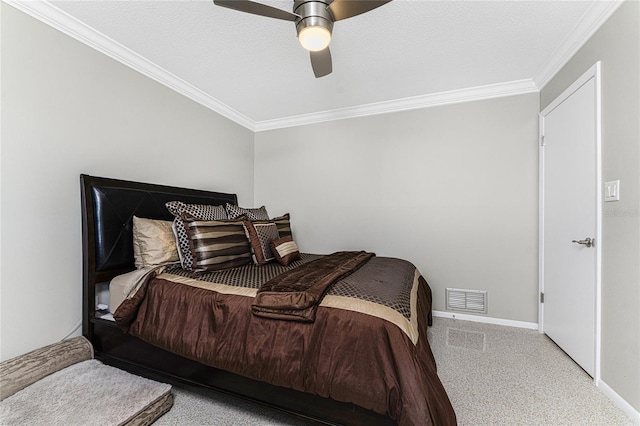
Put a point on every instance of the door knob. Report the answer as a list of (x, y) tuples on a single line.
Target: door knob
[(589, 242)]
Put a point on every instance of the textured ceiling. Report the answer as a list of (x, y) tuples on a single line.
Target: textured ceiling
[(255, 66)]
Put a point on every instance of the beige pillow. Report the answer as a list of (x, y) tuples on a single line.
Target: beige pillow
[(153, 242)]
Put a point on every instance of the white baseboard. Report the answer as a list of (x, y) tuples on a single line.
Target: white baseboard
[(620, 402), (488, 320)]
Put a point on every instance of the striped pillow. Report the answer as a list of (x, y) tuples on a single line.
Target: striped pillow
[(285, 250), (216, 244), (195, 211), (259, 235), (284, 225), (282, 222)]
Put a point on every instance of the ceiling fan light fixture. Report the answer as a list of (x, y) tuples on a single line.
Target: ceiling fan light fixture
[(314, 22), (314, 38)]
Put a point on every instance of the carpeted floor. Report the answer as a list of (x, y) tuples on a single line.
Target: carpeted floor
[(494, 375), (498, 375)]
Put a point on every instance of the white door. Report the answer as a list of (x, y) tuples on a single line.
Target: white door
[(570, 228)]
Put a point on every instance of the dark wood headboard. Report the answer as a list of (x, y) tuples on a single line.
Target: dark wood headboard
[(108, 207)]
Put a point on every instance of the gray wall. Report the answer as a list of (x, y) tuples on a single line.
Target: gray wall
[(617, 46), (66, 110), (454, 189)]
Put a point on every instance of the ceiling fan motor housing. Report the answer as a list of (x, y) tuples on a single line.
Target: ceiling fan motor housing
[(313, 14)]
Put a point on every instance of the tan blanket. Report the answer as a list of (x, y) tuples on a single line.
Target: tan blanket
[(296, 294)]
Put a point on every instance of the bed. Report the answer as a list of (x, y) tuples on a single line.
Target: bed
[(357, 357)]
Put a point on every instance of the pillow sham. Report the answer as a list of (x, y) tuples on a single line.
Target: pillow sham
[(153, 242), (285, 250), (198, 211), (195, 211), (216, 245), (259, 235), (235, 212)]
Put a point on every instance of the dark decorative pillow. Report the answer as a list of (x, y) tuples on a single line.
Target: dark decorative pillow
[(259, 235), (284, 225), (216, 245), (235, 212), (285, 250), (194, 211)]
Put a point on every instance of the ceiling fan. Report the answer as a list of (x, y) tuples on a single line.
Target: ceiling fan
[(314, 22)]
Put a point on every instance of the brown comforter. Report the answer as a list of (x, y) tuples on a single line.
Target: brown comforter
[(371, 353), (296, 294)]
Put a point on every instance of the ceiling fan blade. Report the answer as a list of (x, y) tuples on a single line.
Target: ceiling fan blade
[(321, 62), (343, 9), (257, 9)]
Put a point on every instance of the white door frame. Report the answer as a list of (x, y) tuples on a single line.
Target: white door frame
[(592, 73)]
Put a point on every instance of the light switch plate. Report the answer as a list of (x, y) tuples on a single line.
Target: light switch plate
[(612, 191)]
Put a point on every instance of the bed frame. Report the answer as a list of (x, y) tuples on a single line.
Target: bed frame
[(108, 207)]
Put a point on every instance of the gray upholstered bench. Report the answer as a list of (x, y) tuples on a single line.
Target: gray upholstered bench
[(61, 384)]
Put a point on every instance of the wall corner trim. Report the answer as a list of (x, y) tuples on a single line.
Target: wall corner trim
[(593, 19), (49, 14), (67, 24)]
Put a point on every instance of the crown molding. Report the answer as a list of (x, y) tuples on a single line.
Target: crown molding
[(593, 19), (437, 99), (67, 24), (44, 11)]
